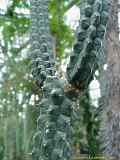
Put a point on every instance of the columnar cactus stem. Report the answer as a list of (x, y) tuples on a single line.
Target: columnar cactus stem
[(52, 139), (85, 58), (41, 42)]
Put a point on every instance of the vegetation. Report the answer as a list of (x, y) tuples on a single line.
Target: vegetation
[(43, 115), (54, 134)]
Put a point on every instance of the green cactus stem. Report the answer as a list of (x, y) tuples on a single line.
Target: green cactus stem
[(86, 55)]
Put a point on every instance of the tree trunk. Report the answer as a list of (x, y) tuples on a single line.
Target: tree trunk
[(111, 130)]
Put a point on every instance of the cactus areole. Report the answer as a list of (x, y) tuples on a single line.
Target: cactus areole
[(52, 138)]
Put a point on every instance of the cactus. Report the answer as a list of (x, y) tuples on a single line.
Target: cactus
[(52, 138), (51, 141), (41, 49), (87, 50)]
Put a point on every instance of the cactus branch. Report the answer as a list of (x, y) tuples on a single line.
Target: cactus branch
[(86, 55)]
